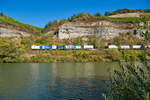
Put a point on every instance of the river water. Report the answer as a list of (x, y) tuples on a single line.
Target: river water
[(54, 81)]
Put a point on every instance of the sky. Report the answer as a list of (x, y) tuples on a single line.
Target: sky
[(40, 12)]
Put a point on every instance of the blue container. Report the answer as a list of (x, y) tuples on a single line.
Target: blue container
[(72, 47), (41, 47), (46, 47)]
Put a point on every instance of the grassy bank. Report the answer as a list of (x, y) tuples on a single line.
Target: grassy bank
[(18, 50), (20, 53)]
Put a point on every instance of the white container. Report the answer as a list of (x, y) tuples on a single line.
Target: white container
[(112, 47), (78, 47), (69, 46), (54, 47), (136, 46), (34, 47), (125, 47), (88, 47)]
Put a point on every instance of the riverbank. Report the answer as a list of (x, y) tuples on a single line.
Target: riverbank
[(48, 56), (18, 50)]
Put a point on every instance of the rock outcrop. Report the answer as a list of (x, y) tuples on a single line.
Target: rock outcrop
[(103, 29), (11, 31)]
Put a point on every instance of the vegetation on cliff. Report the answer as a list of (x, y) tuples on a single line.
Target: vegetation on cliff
[(96, 17), (19, 50), (20, 26), (122, 11)]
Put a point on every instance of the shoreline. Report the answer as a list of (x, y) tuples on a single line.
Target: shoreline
[(77, 56)]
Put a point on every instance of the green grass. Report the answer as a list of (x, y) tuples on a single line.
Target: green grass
[(125, 20), (5, 19)]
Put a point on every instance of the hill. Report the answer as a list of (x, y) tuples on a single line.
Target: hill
[(122, 11), (10, 28), (85, 24)]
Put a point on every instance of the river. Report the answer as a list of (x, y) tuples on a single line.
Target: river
[(54, 81)]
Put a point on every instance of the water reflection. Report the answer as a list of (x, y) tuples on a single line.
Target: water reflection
[(55, 81)]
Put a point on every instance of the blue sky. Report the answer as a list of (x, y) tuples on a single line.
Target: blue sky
[(40, 12)]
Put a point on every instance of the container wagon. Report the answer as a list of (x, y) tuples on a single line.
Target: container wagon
[(125, 47), (112, 47), (78, 47), (137, 46), (45, 47), (73, 47), (48, 47), (54, 47), (88, 47), (35, 47), (61, 47), (70, 47)]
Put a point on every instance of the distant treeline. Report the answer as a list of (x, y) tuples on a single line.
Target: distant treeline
[(52, 25), (121, 11)]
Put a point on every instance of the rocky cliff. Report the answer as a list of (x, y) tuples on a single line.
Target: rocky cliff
[(11, 31), (103, 29), (12, 28)]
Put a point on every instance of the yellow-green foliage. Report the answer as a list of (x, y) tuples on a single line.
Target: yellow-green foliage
[(82, 56), (77, 41), (10, 50), (19, 50), (129, 55), (96, 42), (130, 82), (121, 11), (8, 20), (41, 58), (114, 54)]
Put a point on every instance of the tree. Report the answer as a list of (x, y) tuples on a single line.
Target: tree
[(1, 14), (80, 17), (73, 17), (97, 15)]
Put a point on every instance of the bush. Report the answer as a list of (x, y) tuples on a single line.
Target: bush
[(41, 58), (81, 56), (114, 54), (131, 82), (129, 55), (10, 50)]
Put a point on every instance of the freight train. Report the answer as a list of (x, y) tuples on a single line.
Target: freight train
[(86, 47), (62, 47), (128, 47)]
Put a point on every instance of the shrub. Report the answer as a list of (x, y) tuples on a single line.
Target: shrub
[(114, 54), (131, 55), (131, 82)]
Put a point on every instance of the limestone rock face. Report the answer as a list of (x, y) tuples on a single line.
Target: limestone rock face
[(8, 31), (4, 32), (103, 29)]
